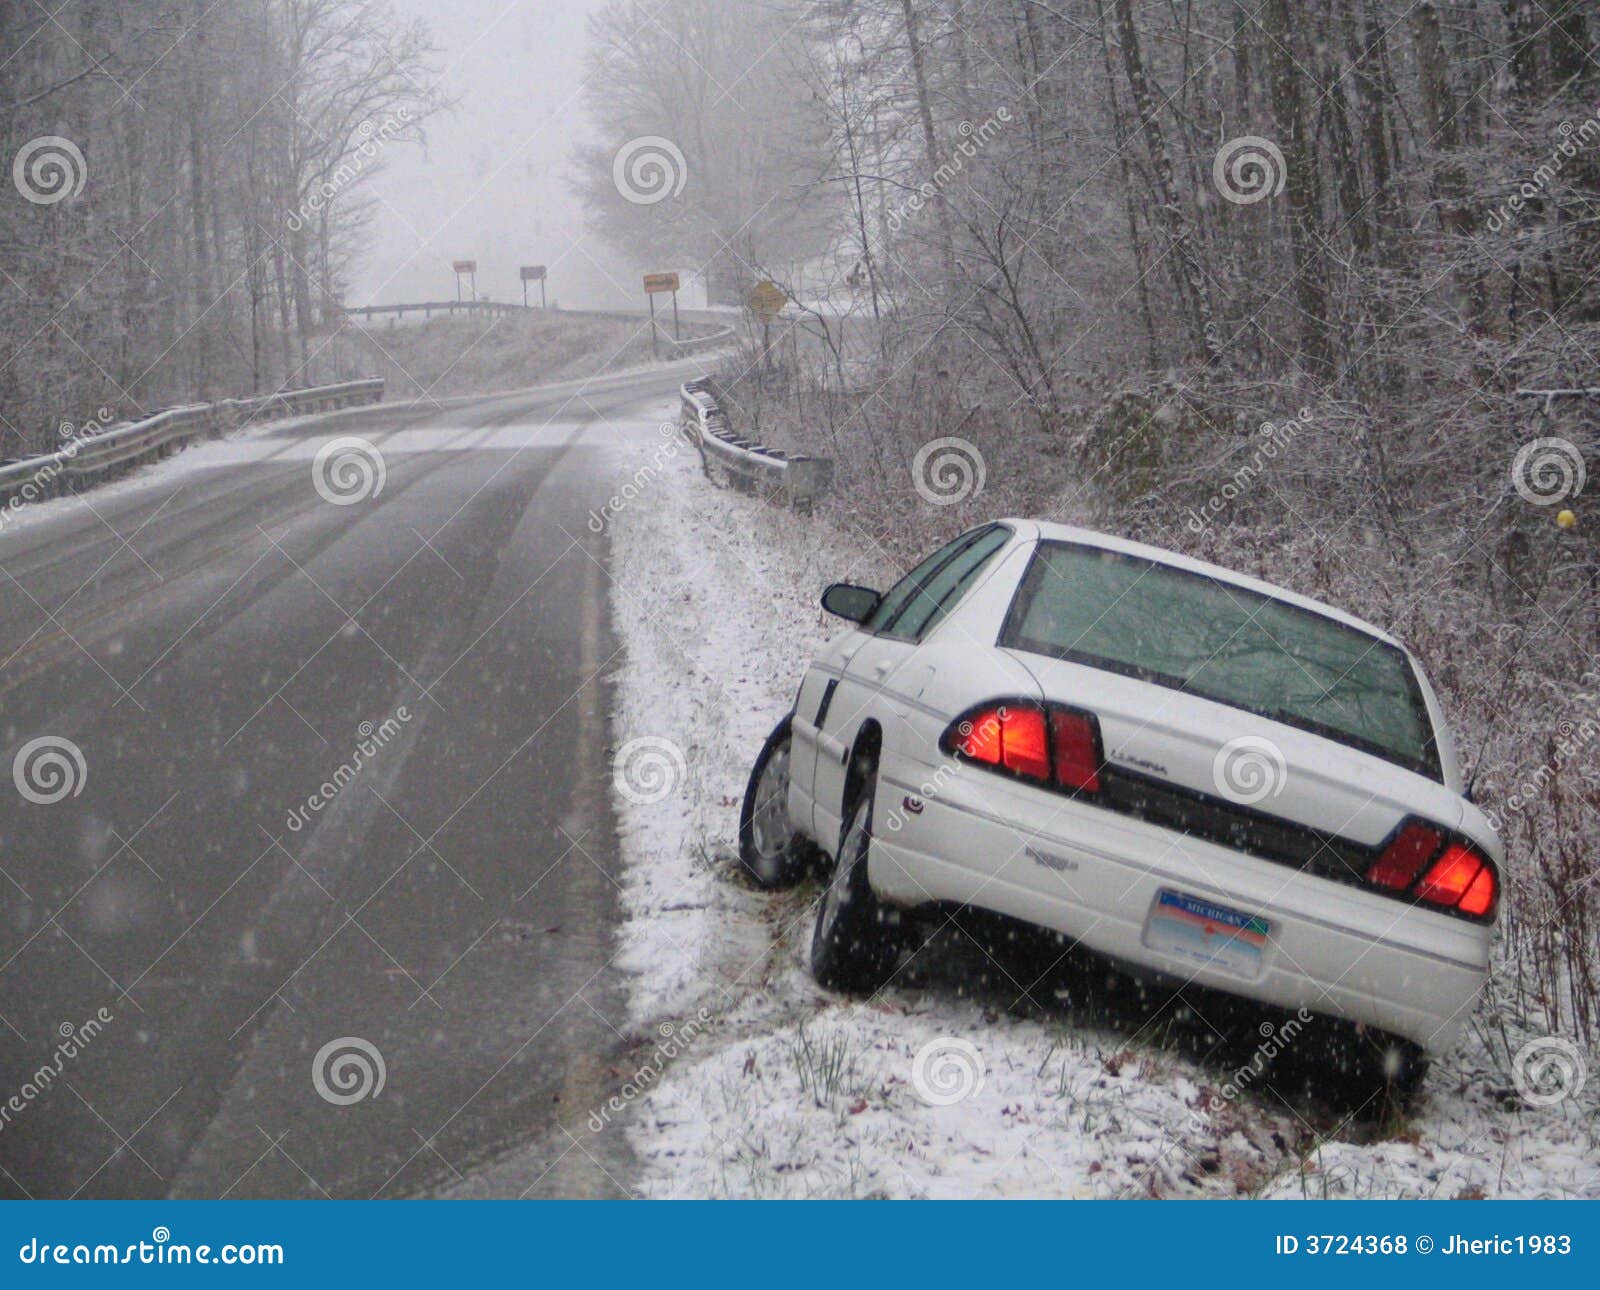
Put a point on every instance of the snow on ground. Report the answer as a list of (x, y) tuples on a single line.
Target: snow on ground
[(765, 1085)]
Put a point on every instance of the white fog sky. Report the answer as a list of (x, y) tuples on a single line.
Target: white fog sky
[(494, 182)]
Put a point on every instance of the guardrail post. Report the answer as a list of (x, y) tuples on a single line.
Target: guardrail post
[(749, 466)]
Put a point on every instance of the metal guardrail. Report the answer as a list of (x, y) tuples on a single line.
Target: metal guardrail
[(35, 478), (800, 480), (722, 335), (430, 307), (694, 344)]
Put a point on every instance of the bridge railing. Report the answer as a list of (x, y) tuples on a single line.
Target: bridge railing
[(96, 454), (723, 334)]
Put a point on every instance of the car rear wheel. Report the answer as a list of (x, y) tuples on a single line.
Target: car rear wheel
[(856, 944), (772, 852)]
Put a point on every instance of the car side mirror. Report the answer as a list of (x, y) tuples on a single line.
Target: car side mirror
[(853, 604)]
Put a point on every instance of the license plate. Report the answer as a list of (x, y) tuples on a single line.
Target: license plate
[(1206, 934)]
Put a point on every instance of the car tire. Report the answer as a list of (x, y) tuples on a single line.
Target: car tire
[(855, 946), (772, 852)]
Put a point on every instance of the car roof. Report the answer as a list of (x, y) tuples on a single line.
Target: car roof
[(1047, 531)]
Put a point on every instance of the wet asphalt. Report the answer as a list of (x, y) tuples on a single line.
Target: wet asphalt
[(274, 989)]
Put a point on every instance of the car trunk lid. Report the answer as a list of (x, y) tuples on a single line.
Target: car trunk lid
[(1246, 780)]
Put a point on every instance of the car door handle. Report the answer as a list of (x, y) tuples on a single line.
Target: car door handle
[(880, 669)]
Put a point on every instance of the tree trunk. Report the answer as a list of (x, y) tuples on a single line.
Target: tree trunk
[(197, 203), (930, 141), (1569, 41), (1300, 185), (1179, 230), (1439, 112)]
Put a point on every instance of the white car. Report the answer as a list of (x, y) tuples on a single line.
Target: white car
[(1200, 776)]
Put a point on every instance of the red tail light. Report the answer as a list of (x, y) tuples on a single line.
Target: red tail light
[(1073, 737), (1009, 736), (1051, 744), (1452, 876), (1459, 879), (1402, 860)]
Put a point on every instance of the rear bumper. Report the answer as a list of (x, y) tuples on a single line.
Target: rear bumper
[(1095, 876)]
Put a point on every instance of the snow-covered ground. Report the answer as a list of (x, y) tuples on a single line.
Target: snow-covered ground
[(765, 1085)]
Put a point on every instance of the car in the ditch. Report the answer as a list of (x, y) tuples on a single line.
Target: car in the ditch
[(1205, 779)]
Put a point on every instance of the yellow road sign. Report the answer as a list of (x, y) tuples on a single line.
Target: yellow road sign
[(768, 299)]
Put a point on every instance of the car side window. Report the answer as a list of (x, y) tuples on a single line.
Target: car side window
[(943, 591), (901, 593)]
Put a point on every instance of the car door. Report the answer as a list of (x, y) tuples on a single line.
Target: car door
[(816, 751), (878, 677)]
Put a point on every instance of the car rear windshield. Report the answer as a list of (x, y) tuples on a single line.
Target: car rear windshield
[(1210, 638)]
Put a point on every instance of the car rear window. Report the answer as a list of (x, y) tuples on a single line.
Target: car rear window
[(1206, 637)]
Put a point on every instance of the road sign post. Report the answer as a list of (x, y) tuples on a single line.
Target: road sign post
[(766, 302), (534, 273), (468, 268), (659, 284)]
